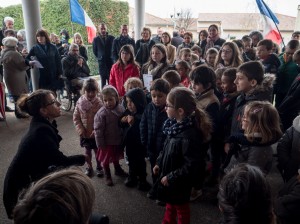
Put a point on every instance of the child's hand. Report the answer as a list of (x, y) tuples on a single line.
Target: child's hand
[(227, 147), (82, 133), (155, 169), (130, 120), (124, 119), (164, 181), (92, 135)]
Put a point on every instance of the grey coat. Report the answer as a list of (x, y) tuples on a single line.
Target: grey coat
[(14, 69)]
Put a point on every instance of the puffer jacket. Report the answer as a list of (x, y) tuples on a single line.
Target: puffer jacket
[(84, 114), (288, 150), (262, 92), (106, 126)]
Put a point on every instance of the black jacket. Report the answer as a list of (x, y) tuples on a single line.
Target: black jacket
[(179, 161), (271, 64), (118, 43), (72, 70), (38, 150)]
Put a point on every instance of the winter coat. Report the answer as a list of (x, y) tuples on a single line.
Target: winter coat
[(179, 161), (152, 135), (287, 204), (83, 52), (118, 76), (14, 71), (38, 151), (271, 64), (50, 59), (71, 68), (290, 106), (102, 49), (84, 114), (106, 126), (142, 51), (288, 150), (118, 43), (262, 92), (176, 40), (158, 74)]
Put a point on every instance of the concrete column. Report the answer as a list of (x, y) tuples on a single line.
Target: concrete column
[(297, 23), (32, 22), (139, 18)]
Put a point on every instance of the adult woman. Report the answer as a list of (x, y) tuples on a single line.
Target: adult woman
[(14, 70), (38, 152), (187, 42), (77, 39), (213, 39), (157, 64), (143, 46), (47, 54), (171, 50)]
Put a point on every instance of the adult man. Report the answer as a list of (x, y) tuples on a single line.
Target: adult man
[(120, 41), (157, 38), (75, 67), (102, 48), (176, 39)]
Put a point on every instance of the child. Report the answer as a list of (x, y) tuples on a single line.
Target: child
[(135, 151), (245, 195), (187, 128), (157, 64), (183, 68), (218, 89), (173, 78), (123, 69), (187, 43), (249, 51), (185, 54), (261, 129), (210, 58), (197, 50), (228, 56), (86, 108), (108, 134), (290, 105), (241, 48), (268, 59), (132, 83), (152, 121)]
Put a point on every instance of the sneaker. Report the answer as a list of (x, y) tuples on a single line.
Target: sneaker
[(89, 172), (195, 194), (130, 182), (99, 172), (109, 182), (144, 186)]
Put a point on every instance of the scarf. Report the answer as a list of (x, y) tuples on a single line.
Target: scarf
[(153, 70), (172, 127)]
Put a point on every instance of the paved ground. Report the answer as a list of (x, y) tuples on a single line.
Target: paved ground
[(122, 205)]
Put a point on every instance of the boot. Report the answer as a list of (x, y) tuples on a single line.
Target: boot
[(119, 171), (108, 180)]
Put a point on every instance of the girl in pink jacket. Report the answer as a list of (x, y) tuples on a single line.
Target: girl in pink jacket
[(108, 134), (123, 69), (86, 108)]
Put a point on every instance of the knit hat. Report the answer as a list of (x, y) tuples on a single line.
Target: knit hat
[(138, 97), (10, 42)]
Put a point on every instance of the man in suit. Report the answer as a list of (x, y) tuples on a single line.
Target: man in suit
[(102, 48)]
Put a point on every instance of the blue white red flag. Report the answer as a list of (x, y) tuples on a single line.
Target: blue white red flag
[(78, 15), (270, 31)]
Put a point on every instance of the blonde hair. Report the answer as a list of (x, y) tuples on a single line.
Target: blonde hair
[(66, 196), (78, 35), (134, 81), (262, 118), (182, 97)]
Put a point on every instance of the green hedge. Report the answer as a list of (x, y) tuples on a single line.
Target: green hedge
[(92, 61)]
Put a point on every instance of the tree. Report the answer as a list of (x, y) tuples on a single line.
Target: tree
[(185, 18)]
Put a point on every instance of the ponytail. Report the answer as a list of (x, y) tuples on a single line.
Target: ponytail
[(203, 124)]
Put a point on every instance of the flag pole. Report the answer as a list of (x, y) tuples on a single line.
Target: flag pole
[(71, 18), (275, 24)]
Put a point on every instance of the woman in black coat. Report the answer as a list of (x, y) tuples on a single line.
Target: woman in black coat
[(38, 152)]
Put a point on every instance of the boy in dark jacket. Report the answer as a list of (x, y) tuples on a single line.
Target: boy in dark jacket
[(153, 118), (135, 151)]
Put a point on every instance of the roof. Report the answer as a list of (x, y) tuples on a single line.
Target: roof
[(152, 20)]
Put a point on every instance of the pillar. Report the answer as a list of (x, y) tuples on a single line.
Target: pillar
[(139, 18)]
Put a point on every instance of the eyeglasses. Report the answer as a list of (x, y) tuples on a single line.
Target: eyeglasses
[(169, 106), (52, 102), (226, 51)]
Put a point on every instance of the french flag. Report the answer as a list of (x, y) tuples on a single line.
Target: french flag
[(270, 31), (78, 15)]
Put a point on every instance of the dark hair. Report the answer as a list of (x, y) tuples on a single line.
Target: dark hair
[(190, 34), (160, 85), (212, 50), (161, 48), (197, 48), (10, 32), (42, 33), (182, 97), (128, 49), (293, 44), (246, 38), (236, 59), (66, 33), (245, 196), (90, 85), (252, 70), (146, 29), (31, 104), (239, 43), (230, 73), (267, 43), (203, 75), (172, 77), (184, 64), (214, 26), (296, 55), (256, 33), (204, 32), (166, 33), (219, 72), (296, 33)]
